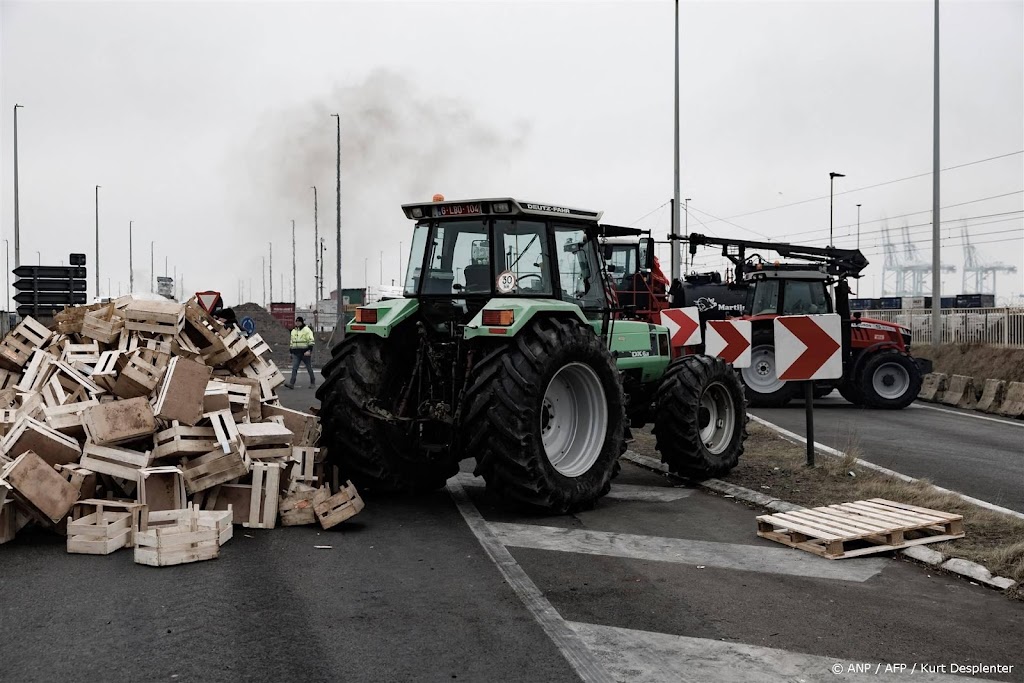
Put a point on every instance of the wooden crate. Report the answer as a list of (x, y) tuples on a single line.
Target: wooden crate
[(216, 467), (136, 512), (156, 317), (224, 428), (221, 520), (162, 488), (297, 507), (119, 421), (29, 434), (8, 519), (236, 353), (139, 373), (258, 346), (269, 377), (81, 353), (180, 440), (234, 497), (8, 379), (99, 533), (183, 347), (40, 367), (39, 487), (859, 528), (67, 419), (104, 374), (84, 480), (103, 325), (343, 505), (181, 392), (305, 458), (266, 441), (181, 543), (266, 487), (21, 342), (216, 397), (303, 425), (253, 411), (117, 462)]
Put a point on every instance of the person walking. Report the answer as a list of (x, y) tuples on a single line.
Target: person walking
[(301, 348)]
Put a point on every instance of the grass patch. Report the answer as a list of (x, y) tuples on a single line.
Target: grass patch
[(981, 361), (774, 466)]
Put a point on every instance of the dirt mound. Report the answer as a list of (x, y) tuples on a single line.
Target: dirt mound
[(980, 361), (277, 337)]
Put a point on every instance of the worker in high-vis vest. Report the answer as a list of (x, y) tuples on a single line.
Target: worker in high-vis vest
[(301, 347)]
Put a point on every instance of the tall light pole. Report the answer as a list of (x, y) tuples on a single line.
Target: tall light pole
[(152, 267), (858, 226), (263, 272), (674, 241), (366, 278), (17, 215), (98, 242), (295, 298), (316, 249), (131, 267), (271, 271), (7, 301), (39, 259), (831, 182), (686, 231), (341, 299), (936, 264)]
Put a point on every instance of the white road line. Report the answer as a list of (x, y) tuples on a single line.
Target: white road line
[(753, 558), (792, 436), (581, 659), (647, 657), (1018, 423), (659, 494)]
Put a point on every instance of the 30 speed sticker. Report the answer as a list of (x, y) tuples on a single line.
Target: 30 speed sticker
[(506, 282)]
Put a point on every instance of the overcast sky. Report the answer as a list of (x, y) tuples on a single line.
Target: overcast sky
[(208, 123)]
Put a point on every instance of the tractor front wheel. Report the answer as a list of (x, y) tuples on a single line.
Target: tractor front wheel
[(700, 417), (544, 416), (890, 379), (764, 389)]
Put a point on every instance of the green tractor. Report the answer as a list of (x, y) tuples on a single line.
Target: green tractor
[(509, 348)]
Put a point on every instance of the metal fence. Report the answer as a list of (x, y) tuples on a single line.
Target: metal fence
[(999, 326)]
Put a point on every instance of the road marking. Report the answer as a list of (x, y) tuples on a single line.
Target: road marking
[(970, 415), (581, 659), (658, 494), (648, 657), (754, 558), (792, 436)]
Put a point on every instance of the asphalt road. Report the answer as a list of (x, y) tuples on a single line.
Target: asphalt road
[(973, 453), (657, 583)]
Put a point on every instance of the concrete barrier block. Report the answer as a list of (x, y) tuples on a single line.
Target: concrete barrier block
[(992, 396), (970, 397), (1013, 403), (960, 387), (932, 387)]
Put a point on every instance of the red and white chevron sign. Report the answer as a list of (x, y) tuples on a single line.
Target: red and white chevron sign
[(808, 347), (729, 340), (683, 325)]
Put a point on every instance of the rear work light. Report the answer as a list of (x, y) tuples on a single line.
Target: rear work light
[(500, 207), (366, 315), (501, 317)]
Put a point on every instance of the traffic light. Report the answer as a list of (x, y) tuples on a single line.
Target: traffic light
[(45, 290)]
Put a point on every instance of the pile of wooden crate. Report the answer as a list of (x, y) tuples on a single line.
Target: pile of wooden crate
[(150, 425)]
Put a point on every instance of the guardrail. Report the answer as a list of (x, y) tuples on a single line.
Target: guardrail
[(998, 326)]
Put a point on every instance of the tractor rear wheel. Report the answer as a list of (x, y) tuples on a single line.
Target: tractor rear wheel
[(544, 416), (849, 390), (700, 417), (764, 389), (890, 380), (376, 455)]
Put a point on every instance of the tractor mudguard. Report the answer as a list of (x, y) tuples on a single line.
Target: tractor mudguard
[(639, 345), (390, 313), (523, 310)]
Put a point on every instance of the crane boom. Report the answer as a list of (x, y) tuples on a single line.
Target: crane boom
[(837, 262)]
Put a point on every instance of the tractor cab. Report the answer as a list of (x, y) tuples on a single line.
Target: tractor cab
[(785, 290)]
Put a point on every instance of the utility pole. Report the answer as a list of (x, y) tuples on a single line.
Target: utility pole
[(131, 267), (17, 215), (316, 248), (271, 274), (295, 298), (263, 272), (98, 243), (858, 226), (936, 263), (341, 299), (152, 267), (7, 302), (674, 242), (831, 182), (686, 232)]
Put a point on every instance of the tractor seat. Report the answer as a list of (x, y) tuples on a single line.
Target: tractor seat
[(478, 278)]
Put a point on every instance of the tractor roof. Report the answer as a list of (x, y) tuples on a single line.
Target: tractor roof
[(495, 207)]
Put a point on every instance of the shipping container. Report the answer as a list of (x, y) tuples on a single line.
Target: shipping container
[(283, 313), (947, 302), (860, 304), (975, 300), (916, 302), (890, 303)]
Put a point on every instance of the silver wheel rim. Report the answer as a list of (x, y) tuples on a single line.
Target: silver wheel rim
[(716, 418), (574, 419), (890, 381), (760, 376)]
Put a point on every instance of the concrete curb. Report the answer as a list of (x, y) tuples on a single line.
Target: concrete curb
[(922, 554)]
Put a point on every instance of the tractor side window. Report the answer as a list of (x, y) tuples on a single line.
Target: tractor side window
[(578, 271), (803, 297), (454, 262), (766, 297), (521, 259), (412, 272)]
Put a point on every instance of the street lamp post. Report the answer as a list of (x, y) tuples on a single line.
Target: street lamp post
[(686, 230), (341, 299), (858, 226), (131, 267), (152, 267), (271, 271), (831, 182), (98, 242), (17, 216), (674, 241), (316, 249), (295, 298), (39, 259)]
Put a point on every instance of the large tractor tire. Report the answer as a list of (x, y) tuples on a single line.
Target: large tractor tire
[(375, 455), (850, 390), (700, 420), (763, 387), (544, 416), (890, 380)]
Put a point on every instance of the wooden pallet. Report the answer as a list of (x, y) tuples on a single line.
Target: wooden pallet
[(860, 528)]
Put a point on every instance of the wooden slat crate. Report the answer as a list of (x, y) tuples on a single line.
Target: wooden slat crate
[(297, 506), (40, 367), (215, 397), (8, 379), (81, 353), (99, 533), (253, 412), (29, 434), (117, 462), (179, 440), (304, 458), (136, 512), (187, 541), (181, 392), (343, 505), (67, 419), (236, 497), (139, 372), (120, 421), (266, 441), (162, 488), (105, 373), (8, 519), (860, 528), (236, 354), (266, 488), (303, 425), (221, 520), (39, 487), (258, 346), (157, 317), (103, 325), (84, 480), (21, 342), (268, 375), (216, 467)]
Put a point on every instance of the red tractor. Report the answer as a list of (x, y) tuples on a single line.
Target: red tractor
[(879, 371)]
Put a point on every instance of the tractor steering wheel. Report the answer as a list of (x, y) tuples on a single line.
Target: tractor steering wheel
[(529, 275)]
